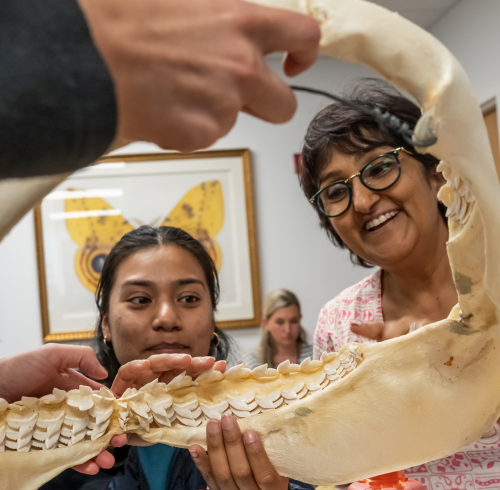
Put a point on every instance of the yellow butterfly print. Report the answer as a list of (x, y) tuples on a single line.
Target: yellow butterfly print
[(95, 235), (201, 213), (96, 227)]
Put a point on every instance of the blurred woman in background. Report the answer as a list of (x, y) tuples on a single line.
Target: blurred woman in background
[(283, 337)]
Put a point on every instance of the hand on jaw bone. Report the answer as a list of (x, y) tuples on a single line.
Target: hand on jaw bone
[(235, 460), (38, 371), (136, 374), (103, 460), (164, 368), (381, 331)]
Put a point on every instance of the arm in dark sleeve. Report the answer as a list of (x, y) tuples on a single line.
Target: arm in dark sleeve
[(57, 103), (297, 485), (126, 474)]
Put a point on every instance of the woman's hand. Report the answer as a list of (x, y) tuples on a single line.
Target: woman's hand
[(38, 371), (138, 373), (381, 331), (235, 461), (183, 70), (163, 367)]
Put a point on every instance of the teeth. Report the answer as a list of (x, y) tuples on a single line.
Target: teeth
[(381, 219)]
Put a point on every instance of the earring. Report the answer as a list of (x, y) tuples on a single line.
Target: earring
[(218, 340), (106, 341)]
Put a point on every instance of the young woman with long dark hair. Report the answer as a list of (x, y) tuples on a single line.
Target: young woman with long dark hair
[(157, 295)]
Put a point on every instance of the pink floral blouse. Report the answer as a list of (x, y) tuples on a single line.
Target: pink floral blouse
[(476, 466), (360, 302)]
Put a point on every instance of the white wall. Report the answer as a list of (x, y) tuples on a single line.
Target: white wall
[(20, 326), (294, 252), (470, 30)]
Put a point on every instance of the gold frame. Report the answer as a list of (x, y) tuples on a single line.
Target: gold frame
[(252, 237)]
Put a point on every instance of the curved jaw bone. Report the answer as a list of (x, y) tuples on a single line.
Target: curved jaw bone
[(405, 401)]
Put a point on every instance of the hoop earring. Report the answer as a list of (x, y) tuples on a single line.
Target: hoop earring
[(218, 339)]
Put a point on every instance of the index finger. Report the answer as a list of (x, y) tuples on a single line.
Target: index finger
[(263, 470), (297, 34), (126, 375), (165, 367), (166, 362), (74, 379), (372, 330), (200, 365), (77, 357)]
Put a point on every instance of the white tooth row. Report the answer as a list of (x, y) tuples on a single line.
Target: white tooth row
[(63, 419), (381, 219), (57, 420), (193, 413), (456, 195)]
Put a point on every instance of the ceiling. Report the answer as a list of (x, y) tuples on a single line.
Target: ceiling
[(421, 12)]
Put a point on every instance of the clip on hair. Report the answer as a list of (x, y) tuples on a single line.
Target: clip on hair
[(384, 120)]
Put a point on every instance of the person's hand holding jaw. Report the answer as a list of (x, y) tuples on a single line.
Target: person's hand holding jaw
[(136, 374), (164, 368), (381, 331), (38, 371), (235, 461)]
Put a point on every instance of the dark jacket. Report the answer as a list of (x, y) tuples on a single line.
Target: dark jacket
[(57, 101), (127, 474)]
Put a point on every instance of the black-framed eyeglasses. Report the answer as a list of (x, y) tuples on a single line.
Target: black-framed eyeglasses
[(377, 175)]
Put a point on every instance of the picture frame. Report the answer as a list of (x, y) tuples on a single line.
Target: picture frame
[(491, 116), (207, 193)]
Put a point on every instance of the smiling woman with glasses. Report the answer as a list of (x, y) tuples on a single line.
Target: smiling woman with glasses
[(377, 197), (377, 175)]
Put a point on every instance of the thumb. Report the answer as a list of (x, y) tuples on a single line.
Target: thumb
[(370, 330), (80, 357)]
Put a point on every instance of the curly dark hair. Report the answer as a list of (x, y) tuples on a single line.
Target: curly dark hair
[(132, 242), (339, 127)]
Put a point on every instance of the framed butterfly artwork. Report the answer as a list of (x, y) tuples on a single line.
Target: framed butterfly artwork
[(208, 194)]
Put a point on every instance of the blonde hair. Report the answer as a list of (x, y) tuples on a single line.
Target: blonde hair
[(273, 301)]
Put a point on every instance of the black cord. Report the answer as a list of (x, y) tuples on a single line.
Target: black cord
[(384, 120)]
